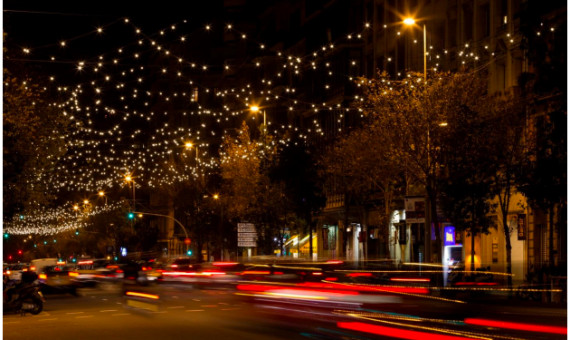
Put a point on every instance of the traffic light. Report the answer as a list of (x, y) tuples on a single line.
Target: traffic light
[(20, 251), (189, 252), (6, 235), (131, 215), (76, 231)]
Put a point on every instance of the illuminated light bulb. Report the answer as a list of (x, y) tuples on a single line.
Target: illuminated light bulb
[(62, 43), (99, 30)]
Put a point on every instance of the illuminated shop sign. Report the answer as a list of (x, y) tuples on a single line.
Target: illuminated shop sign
[(449, 234)]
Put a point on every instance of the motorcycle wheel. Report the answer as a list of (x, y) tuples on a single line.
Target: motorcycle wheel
[(33, 306)]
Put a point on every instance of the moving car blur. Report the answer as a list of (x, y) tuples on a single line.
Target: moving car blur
[(58, 279), (14, 271)]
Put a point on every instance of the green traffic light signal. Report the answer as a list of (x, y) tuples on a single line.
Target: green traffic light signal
[(189, 252), (6, 235), (131, 216)]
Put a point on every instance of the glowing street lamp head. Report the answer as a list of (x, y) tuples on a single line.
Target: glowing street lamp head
[(254, 108), (101, 193), (85, 202), (216, 196), (75, 207), (188, 145), (128, 178), (409, 21)]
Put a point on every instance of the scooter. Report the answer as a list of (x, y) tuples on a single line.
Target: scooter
[(24, 297)]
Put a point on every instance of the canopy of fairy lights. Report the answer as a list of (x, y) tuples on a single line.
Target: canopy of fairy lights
[(136, 109)]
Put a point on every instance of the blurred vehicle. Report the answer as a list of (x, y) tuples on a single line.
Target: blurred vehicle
[(91, 271), (58, 279), (211, 275), (139, 273), (152, 270), (14, 271), (183, 264), (38, 265), (23, 296)]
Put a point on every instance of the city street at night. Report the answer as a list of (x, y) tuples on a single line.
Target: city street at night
[(285, 169), (220, 314)]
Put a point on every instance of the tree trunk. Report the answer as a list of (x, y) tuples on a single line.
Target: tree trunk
[(432, 199), (310, 238), (472, 251), (551, 238), (508, 248), (387, 213), (345, 235)]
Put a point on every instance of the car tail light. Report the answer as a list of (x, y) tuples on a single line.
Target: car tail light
[(8, 272), (42, 277), (73, 274), (33, 268)]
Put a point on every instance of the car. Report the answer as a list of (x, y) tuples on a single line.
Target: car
[(37, 265), (91, 271), (139, 273), (58, 279), (14, 271), (152, 270), (183, 264)]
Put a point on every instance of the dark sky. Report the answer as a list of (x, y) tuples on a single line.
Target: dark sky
[(36, 23)]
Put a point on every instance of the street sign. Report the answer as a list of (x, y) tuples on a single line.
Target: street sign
[(247, 236), (415, 209), (247, 244), (246, 228)]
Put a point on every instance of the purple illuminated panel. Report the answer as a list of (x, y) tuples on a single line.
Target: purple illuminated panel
[(449, 236)]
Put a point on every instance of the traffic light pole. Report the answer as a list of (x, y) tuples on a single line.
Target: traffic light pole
[(172, 218)]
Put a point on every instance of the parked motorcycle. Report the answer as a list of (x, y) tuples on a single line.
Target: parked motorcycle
[(23, 297)]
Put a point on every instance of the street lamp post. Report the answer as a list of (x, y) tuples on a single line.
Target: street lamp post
[(256, 109), (411, 22), (430, 206), (102, 194), (216, 197), (129, 178), (190, 145)]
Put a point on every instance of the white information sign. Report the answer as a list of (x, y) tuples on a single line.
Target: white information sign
[(247, 236)]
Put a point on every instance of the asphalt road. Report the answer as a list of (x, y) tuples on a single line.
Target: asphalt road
[(182, 312)]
